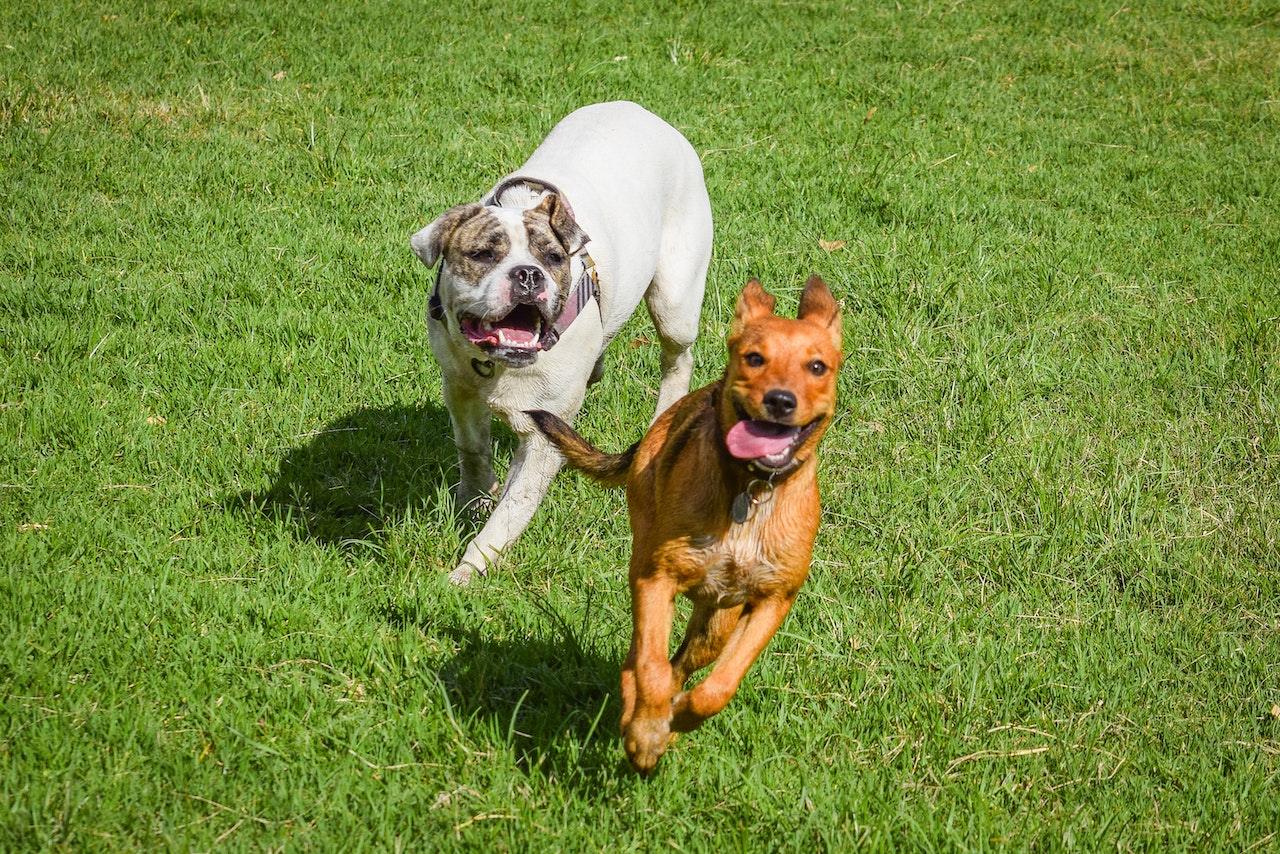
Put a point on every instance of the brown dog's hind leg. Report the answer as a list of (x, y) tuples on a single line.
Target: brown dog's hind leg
[(709, 630), (748, 640)]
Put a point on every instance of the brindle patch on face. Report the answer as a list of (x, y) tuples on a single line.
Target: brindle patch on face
[(547, 248), (476, 246)]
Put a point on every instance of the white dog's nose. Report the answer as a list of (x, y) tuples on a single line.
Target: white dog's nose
[(526, 282)]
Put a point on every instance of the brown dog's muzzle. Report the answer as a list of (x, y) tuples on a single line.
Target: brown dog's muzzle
[(768, 444)]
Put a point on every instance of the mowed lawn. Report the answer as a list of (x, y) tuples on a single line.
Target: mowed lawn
[(1044, 609)]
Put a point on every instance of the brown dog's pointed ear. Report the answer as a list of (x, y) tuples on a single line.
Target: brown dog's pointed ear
[(430, 242), (566, 228), (754, 303), (817, 305)]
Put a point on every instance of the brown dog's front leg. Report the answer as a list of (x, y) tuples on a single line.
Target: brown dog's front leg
[(647, 683), (753, 632)]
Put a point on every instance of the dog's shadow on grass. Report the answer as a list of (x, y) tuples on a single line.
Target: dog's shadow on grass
[(361, 474), (552, 696)]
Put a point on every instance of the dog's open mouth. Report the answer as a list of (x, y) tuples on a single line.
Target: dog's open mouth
[(521, 329), (768, 444)]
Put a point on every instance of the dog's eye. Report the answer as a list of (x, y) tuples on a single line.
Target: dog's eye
[(817, 367), (554, 257), (754, 359), (480, 255)]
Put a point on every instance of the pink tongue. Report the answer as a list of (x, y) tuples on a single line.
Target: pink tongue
[(476, 333), (749, 440), (514, 333), (517, 335)]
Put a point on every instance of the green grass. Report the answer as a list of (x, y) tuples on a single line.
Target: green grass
[(1044, 609)]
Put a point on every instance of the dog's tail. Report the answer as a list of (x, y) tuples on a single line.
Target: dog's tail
[(609, 469)]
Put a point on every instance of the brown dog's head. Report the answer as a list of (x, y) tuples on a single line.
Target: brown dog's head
[(780, 385)]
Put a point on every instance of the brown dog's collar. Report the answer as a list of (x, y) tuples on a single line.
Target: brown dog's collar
[(775, 476)]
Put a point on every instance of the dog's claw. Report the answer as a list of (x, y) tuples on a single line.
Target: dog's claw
[(474, 504), (479, 509)]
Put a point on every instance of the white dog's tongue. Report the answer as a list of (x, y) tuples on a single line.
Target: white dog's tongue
[(498, 334), (750, 440), (477, 334), (520, 328), (517, 336)]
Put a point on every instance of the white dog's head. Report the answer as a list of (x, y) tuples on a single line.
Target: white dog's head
[(505, 273)]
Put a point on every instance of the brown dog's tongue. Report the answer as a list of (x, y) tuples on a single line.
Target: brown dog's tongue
[(750, 440)]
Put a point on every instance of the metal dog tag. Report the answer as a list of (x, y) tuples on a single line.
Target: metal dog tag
[(741, 509)]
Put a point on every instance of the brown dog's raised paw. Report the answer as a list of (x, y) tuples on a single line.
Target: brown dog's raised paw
[(645, 741)]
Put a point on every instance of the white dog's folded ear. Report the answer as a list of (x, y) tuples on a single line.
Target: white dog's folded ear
[(562, 222), (430, 242)]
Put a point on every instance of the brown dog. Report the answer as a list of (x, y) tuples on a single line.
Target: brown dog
[(723, 498)]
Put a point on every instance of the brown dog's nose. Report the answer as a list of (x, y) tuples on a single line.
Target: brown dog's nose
[(780, 403), (526, 282)]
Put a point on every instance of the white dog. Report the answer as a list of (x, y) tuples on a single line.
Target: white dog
[(537, 279)]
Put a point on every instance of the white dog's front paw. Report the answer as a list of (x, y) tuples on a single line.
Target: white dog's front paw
[(463, 574), (473, 563)]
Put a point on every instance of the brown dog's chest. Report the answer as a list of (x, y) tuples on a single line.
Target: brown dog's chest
[(736, 567)]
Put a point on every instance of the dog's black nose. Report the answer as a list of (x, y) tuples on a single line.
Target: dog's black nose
[(779, 402), (526, 282)]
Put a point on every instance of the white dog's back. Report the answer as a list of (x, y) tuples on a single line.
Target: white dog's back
[(618, 156)]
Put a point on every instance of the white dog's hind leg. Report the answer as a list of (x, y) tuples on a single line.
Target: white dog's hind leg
[(471, 421), (535, 463), (675, 303), (677, 370)]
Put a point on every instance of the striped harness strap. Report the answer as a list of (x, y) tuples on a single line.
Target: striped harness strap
[(587, 287)]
